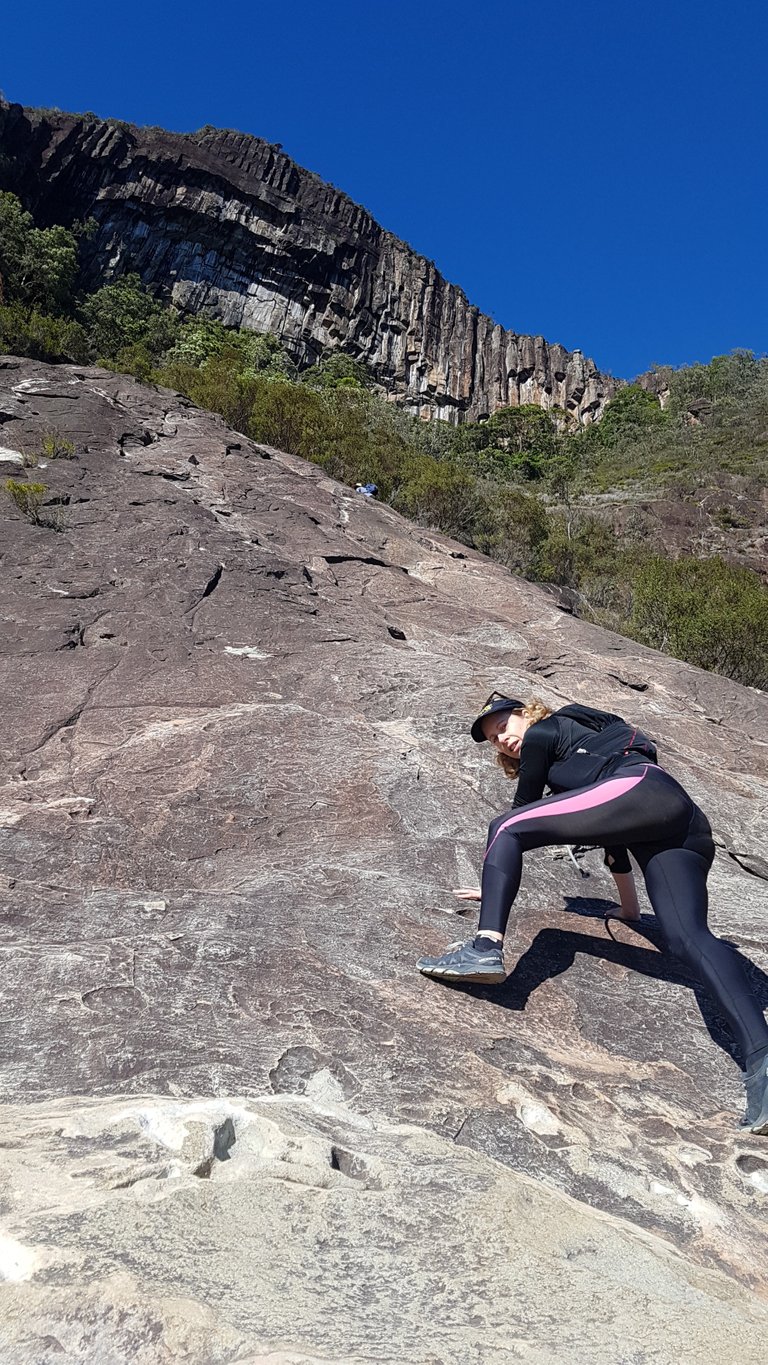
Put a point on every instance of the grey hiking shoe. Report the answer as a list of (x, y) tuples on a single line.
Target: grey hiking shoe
[(756, 1081), (463, 962)]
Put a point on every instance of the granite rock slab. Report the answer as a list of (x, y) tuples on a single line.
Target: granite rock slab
[(237, 790)]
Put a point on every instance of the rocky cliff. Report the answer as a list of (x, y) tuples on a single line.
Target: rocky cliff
[(233, 227), (236, 790)]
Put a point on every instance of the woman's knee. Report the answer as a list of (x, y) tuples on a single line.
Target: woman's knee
[(497, 825), (503, 846), (678, 944), (691, 947)]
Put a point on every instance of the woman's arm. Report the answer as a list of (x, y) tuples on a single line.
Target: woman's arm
[(625, 886), (617, 861), (537, 754)]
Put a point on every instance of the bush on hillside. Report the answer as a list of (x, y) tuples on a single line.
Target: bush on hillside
[(711, 613), (201, 340), (513, 444), (727, 379), (512, 528), (337, 370), (28, 498), (438, 495), (54, 446), (289, 416), (219, 386), (629, 415), (38, 266), (24, 331), (126, 325)]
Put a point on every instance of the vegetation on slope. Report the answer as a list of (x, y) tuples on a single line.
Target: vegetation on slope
[(521, 487)]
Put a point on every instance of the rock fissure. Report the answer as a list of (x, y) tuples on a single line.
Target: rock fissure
[(751, 863)]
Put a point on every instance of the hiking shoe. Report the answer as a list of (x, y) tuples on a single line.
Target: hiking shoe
[(463, 962), (756, 1081)]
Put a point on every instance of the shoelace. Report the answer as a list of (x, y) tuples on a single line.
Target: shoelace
[(631, 923)]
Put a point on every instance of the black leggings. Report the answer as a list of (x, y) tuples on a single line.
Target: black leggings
[(644, 808)]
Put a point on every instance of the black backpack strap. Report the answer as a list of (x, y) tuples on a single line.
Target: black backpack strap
[(589, 716)]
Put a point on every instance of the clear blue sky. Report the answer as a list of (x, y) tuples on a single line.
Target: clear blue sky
[(595, 173)]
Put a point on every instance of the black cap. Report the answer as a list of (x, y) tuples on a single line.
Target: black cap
[(498, 704)]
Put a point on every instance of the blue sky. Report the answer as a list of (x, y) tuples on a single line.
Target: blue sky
[(594, 173)]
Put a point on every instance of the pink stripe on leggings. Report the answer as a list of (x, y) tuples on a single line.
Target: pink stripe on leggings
[(597, 795)]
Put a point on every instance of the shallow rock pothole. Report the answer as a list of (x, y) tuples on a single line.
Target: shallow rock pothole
[(224, 1139)]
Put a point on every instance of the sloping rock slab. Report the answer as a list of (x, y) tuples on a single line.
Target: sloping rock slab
[(238, 789), (284, 1231)]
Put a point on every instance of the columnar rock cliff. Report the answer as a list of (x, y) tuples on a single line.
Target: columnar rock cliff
[(233, 227)]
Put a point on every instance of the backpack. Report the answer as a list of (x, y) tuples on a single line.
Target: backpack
[(612, 735)]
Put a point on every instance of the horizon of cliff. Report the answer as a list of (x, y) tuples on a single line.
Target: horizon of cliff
[(227, 145), (215, 132)]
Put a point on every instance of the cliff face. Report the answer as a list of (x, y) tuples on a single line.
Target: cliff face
[(238, 230)]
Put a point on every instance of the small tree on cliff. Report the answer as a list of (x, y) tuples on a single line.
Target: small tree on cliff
[(515, 443), (202, 341), (38, 266), (124, 316)]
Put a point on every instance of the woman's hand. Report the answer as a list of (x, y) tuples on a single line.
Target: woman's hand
[(468, 893)]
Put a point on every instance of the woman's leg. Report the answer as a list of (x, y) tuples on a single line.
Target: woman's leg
[(676, 880), (642, 804), (607, 812)]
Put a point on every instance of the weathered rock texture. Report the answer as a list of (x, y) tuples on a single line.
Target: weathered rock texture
[(237, 789), (728, 518), (243, 233)]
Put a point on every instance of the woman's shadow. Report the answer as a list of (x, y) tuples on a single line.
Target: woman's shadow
[(553, 951)]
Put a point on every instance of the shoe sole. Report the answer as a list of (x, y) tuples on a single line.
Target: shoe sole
[(490, 978), (760, 1126)]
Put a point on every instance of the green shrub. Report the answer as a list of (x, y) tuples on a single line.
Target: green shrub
[(123, 316), (629, 414), (289, 416), (38, 266), (511, 527), (728, 519), (24, 331), (738, 377), (28, 498), (709, 612), (201, 340), (337, 370), (513, 444), (219, 385), (54, 446), (436, 494)]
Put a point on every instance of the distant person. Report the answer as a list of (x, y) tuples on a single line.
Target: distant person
[(368, 490), (608, 789)]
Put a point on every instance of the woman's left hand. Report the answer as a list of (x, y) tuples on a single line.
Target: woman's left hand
[(468, 893)]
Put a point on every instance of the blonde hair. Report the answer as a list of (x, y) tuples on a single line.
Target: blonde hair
[(534, 710)]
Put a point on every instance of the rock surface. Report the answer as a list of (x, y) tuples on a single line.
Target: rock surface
[(247, 236), (237, 790)]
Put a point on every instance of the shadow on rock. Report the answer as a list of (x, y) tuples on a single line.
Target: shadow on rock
[(553, 952)]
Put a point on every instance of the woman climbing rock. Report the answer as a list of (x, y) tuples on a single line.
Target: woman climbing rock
[(608, 789)]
